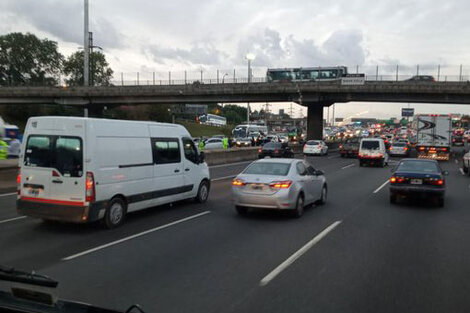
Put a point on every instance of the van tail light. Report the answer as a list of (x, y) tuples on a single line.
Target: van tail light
[(238, 182), (90, 187), (280, 184), (18, 182), (421, 148), (405, 148)]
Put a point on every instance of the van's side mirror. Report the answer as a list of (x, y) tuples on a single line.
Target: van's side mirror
[(202, 157)]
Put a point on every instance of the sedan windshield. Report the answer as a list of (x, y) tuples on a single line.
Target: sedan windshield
[(418, 166), (265, 168)]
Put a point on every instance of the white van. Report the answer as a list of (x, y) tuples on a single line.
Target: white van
[(83, 169), (373, 151)]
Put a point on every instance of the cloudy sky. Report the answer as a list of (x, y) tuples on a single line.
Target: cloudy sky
[(160, 36)]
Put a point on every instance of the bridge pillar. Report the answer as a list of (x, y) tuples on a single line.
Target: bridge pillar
[(315, 119), (95, 110)]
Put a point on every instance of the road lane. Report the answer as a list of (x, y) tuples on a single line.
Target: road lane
[(383, 258), (215, 265)]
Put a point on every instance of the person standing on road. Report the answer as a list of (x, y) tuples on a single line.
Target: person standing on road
[(3, 150), (201, 144), (14, 149), (225, 143)]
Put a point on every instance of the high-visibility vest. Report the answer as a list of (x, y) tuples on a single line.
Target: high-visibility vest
[(225, 143), (201, 145), (3, 150)]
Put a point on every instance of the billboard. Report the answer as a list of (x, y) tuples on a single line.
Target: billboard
[(405, 112), (353, 79)]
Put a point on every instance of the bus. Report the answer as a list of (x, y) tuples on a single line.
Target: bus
[(244, 131), (304, 74), (212, 119)]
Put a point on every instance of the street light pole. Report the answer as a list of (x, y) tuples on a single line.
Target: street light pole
[(86, 52), (250, 57)]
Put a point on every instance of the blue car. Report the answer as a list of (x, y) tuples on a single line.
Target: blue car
[(418, 177)]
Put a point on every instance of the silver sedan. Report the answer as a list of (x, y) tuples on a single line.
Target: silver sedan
[(279, 184)]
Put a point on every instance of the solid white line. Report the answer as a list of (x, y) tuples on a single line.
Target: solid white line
[(297, 254), (352, 164), (8, 194), (381, 186), (134, 236), (12, 219), (222, 178), (230, 164), (461, 171)]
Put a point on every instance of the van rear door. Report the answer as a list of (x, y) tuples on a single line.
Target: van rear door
[(53, 169)]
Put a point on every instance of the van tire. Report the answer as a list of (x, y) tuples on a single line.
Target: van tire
[(203, 192), (115, 213)]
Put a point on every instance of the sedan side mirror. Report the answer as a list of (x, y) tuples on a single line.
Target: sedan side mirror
[(319, 173), (445, 173), (202, 157)]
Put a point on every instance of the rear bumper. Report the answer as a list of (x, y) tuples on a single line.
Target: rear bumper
[(281, 200), (58, 212), (424, 190)]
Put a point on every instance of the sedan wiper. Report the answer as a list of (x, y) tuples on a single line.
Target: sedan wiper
[(31, 278)]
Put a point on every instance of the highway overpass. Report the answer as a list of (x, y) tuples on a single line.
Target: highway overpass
[(314, 95)]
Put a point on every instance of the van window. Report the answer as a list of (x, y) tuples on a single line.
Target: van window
[(166, 150), (61, 153), (190, 151), (370, 145)]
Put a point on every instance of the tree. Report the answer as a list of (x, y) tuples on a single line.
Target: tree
[(27, 60), (100, 72)]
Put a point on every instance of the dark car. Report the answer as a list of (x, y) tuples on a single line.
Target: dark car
[(421, 78), (418, 177), (275, 150), (349, 148)]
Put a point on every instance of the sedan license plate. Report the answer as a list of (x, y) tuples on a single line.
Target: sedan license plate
[(257, 187), (416, 181)]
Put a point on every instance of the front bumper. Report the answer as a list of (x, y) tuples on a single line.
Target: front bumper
[(281, 200), (423, 190), (58, 212)]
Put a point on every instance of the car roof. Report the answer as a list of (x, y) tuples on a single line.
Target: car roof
[(421, 160), (277, 160)]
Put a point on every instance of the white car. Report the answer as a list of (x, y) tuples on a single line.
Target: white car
[(86, 169), (284, 139), (213, 143), (280, 184), (315, 147)]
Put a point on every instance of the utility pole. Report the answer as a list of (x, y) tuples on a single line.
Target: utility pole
[(86, 52)]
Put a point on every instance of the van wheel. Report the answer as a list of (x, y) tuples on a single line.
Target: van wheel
[(115, 213), (203, 192)]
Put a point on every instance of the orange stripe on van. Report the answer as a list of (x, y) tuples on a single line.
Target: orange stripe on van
[(52, 201)]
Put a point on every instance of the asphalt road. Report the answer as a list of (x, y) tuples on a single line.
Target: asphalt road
[(357, 253)]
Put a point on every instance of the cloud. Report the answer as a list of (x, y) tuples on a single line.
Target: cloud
[(341, 47), (199, 53), (64, 20)]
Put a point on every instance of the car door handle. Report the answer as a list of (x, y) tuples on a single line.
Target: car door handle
[(187, 169), (57, 181), (177, 171)]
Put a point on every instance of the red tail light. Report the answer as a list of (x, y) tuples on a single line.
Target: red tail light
[(18, 182), (90, 187), (436, 181), (238, 182), (55, 174), (341, 146), (281, 184), (260, 150), (276, 151), (393, 179), (421, 148), (405, 148)]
